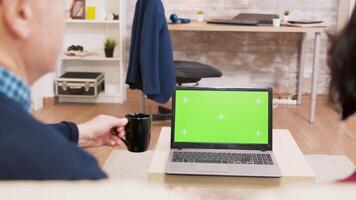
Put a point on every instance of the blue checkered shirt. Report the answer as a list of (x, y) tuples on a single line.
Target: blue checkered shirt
[(14, 88)]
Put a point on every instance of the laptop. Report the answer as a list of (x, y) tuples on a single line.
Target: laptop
[(233, 22), (223, 132), (246, 19)]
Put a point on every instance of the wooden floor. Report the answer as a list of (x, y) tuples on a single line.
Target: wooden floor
[(327, 136)]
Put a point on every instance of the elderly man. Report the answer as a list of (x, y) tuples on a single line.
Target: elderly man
[(31, 33)]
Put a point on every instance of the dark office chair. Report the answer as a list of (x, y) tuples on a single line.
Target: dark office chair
[(187, 72), (193, 72)]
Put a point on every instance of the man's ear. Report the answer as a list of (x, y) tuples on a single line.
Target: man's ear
[(17, 16)]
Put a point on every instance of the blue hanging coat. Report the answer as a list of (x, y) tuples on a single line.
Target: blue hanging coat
[(151, 66)]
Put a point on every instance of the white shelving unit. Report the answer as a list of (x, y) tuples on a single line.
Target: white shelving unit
[(78, 21), (90, 58), (91, 35)]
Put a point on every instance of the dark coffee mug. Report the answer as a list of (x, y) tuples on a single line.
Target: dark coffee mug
[(138, 132)]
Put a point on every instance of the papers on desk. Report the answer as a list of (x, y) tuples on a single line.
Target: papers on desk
[(301, 25)]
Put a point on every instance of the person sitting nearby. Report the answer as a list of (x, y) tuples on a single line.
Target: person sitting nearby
[(342, 62), (31, 34)]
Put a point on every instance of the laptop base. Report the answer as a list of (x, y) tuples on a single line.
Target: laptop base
[(246, 19), (222, 169), (234, 22)]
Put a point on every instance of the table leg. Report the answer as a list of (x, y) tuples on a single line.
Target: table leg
[(315, 77), (301, 68), (143, 98)]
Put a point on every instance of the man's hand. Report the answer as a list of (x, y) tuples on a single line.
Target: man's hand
[(98, 131)]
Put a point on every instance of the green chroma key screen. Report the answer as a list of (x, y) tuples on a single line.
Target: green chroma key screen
[(221, 117)]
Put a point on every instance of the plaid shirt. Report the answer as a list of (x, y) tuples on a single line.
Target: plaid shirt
[(14, 88)]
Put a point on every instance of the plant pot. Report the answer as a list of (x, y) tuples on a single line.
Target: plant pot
[(109, 53), (286, 18), (200, 18), (277, 22)]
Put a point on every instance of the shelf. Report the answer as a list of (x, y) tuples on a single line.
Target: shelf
[(91, 34), (90, 58), (84, 21)]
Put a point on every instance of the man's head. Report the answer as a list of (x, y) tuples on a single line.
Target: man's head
[(31, 34)]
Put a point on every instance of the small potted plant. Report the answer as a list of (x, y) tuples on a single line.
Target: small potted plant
[(286, 15), (110, 44), (200, 16), (276, 21)]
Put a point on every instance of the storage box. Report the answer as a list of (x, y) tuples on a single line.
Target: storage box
[(80, 84)]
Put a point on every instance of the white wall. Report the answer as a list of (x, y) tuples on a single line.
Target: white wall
[(42, 88)]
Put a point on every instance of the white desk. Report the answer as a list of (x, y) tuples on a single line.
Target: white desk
[(195, 26), (293, 165)]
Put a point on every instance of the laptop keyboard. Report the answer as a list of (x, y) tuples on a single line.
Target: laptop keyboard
[(228, 158)]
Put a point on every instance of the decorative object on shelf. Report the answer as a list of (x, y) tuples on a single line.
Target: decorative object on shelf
[(110, 44), (78, 50), (115, 16), (79, 53), (91, 13), (78, 9), (80, 84), (175, 19), (200, 16), (277, 21), (286, 16), (75, 48)]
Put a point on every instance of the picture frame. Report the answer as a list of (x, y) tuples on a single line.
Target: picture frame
[(78, 9)]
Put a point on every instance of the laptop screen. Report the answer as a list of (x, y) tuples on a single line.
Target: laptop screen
[(221, 116)]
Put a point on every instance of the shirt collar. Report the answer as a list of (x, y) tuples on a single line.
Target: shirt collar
[(13, 87)]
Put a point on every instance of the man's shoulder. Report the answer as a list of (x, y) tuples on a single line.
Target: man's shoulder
[(16, 121), (35, 150), (7, 104), (11, 113)]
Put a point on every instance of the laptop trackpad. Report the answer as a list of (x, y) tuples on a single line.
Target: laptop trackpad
[(212, 168)]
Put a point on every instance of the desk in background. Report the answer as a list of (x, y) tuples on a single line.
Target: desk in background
[(195, 26)]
